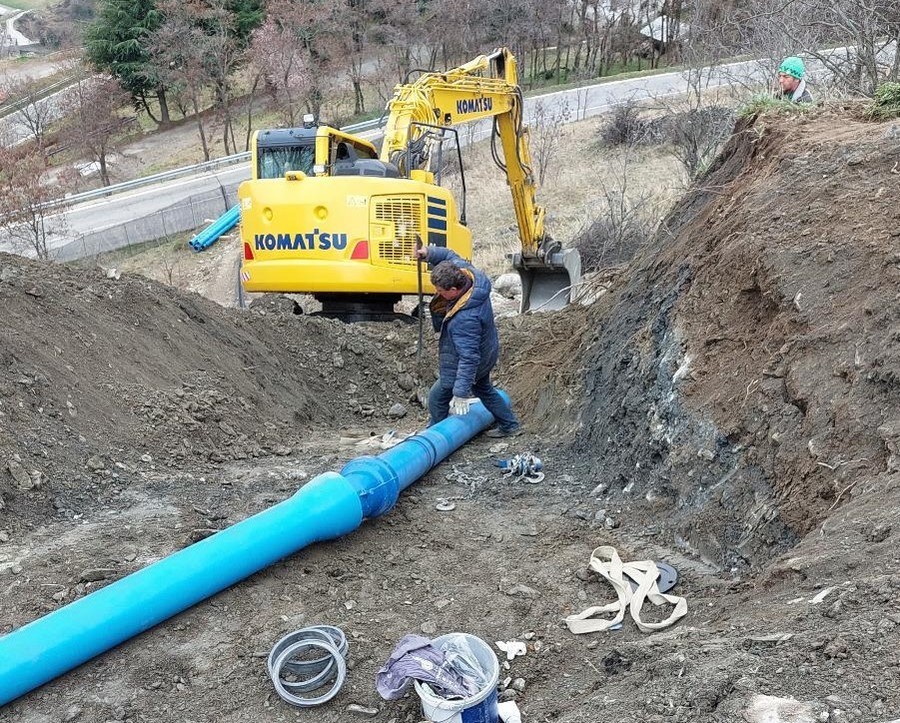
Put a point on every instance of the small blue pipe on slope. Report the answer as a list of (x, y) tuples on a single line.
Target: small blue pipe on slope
[(211, 233), (327, 507)]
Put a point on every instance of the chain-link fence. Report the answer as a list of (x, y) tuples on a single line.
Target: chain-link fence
[(188, 214)]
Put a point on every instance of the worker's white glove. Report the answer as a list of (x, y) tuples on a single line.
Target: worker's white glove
[(460, 405)]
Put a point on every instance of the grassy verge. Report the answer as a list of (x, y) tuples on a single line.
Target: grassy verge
[(768, 104)]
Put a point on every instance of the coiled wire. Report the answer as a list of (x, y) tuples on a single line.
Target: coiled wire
[(286, 658)]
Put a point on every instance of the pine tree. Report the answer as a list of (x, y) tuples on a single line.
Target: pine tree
[(117, 43)]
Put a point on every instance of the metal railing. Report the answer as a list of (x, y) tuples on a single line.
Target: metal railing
[(195, 170), (166, 223)]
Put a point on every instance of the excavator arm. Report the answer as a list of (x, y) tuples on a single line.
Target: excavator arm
[(486, 88)]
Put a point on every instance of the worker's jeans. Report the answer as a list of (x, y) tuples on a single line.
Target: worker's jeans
[(439, 403)]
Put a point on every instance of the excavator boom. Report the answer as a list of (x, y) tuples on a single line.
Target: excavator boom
[(487, 88)]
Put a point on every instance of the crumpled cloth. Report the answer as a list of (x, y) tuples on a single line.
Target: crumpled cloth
[(415, 658)]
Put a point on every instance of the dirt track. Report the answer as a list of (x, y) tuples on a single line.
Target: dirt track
[(735, 394)]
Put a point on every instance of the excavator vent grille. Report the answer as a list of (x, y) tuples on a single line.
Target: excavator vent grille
[(405, 212)]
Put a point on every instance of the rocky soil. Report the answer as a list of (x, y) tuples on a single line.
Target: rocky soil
[(727, 404)]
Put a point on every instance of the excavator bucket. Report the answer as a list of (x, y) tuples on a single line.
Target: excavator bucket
[(548, 284)]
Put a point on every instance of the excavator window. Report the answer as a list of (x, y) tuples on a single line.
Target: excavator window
[(275, 161), (345, 151)]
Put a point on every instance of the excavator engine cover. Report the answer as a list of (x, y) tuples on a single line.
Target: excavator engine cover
[(548, 284)]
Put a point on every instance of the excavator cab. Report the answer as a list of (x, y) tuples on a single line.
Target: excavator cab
[(314, 150)]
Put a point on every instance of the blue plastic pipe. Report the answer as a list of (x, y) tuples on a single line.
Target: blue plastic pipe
[(211, 233), (327, 507)]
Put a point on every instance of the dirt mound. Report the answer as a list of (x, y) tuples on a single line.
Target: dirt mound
[(736, 397), (102, 376), (744, 383)]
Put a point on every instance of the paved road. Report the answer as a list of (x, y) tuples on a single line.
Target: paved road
[(13, 36), (185, 203)]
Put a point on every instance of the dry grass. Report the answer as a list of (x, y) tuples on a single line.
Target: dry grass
[(571, 194), (158, 260), (211, 273)]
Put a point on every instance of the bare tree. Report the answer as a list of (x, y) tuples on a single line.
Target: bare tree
[(32, 109), (605, 30), (295, 51), (353, 22), (251, 97), (401, 33), (25, 191), (171, 268), (178, 51), (222, 55), (277, 55), (91, 110), (867, 29), (457, 29), (693, 123), (198, 49), (626, 212), (546, 129), (854, 41)]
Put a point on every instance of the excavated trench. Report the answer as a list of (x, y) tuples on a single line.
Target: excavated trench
[(728, 403)]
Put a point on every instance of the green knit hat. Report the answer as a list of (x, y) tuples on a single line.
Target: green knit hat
[(792, 66)]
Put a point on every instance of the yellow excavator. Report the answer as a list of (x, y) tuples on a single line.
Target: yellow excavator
[(324, 214)]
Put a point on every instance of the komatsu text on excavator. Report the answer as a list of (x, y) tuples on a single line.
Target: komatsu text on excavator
[(325, 214)]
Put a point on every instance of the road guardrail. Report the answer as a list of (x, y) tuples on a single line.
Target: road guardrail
[(194, 170)]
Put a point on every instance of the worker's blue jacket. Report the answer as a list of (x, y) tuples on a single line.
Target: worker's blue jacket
[(469, 345)]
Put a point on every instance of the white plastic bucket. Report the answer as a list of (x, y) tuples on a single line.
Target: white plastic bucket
[(479, 708)]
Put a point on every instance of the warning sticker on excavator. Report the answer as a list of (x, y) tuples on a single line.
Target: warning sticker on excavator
[(357, 201)]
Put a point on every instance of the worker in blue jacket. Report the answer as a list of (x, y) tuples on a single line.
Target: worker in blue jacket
[(468, 346)]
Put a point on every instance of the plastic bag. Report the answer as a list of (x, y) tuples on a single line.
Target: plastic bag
[(461, 659)]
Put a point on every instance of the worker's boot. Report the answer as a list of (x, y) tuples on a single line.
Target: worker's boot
[(498, 432)]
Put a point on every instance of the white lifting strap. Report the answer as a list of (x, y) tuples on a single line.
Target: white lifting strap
[(605, 560)]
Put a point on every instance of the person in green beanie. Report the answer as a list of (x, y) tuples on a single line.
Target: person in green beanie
[(792, 81)]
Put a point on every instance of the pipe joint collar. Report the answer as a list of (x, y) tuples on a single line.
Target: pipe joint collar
[(376, 482)]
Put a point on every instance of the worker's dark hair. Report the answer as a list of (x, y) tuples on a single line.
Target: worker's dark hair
[(448, 275)]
